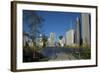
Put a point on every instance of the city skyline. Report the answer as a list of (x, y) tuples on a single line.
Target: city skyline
[(58, 22), (53, 35)]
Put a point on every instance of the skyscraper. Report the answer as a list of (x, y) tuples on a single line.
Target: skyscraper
[(51, 40), (86, 28), (77, 32), (70, 37)]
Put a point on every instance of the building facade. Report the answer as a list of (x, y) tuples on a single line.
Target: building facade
[(39, 41), (78, 32), (69, 37), (86, 26), (27, 41), (51, 40), (62, 42)]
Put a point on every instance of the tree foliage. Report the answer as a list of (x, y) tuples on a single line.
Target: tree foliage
[(45, 39), (33, 22), (60, 37)]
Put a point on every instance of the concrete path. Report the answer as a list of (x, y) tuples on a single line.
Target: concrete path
[(63, 56)]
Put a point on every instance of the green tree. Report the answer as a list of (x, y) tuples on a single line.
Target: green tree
[(45, 38), (34, 23), (60, 37)]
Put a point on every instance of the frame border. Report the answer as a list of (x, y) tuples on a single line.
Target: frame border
[(14, 34)]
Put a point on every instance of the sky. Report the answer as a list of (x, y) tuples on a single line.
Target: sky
[(58, 22)]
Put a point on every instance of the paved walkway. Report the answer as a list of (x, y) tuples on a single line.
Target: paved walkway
[(57, 54), (63, 56)]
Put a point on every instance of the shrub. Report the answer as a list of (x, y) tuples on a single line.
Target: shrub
[(86, 53)]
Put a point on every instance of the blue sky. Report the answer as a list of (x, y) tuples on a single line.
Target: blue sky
[(58, 22)]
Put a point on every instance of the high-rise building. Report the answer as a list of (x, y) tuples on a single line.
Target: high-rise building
[(62, 41), (86, 28), (51, 40), (77, 32), (39, 41), (70, 37), (26, 40)]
